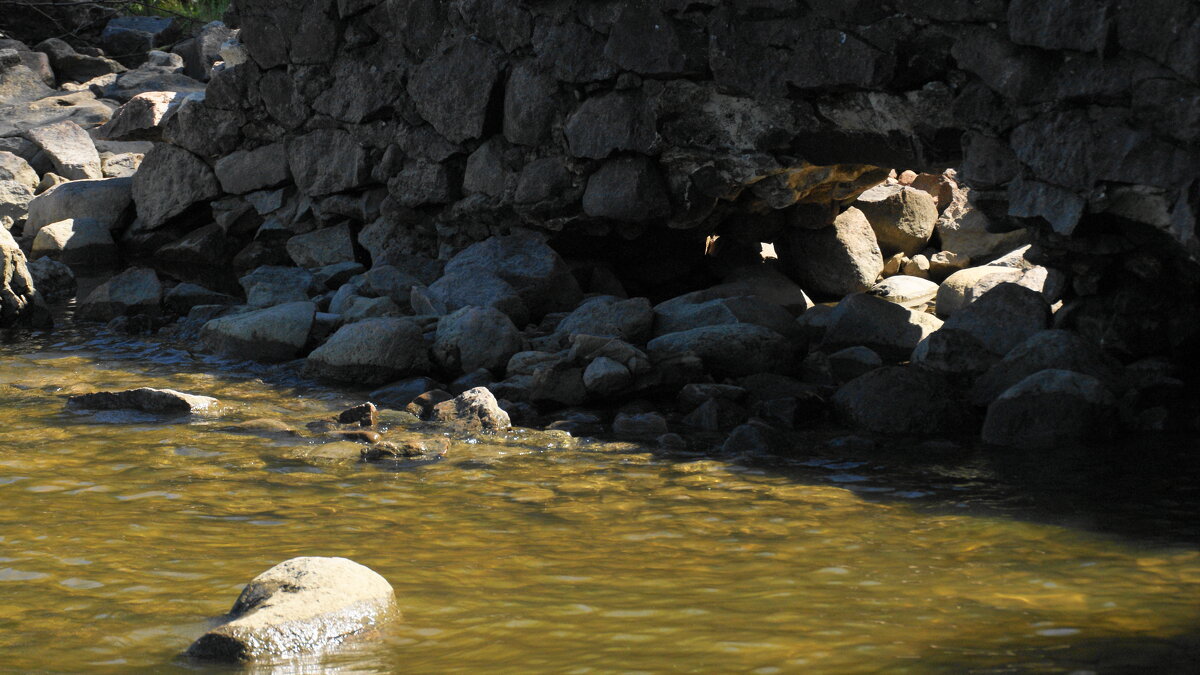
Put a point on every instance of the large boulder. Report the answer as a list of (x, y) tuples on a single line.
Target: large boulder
[(476, 337), (677, 314), (902, 400), (14, 200), (610, 316), (135, 291), (983, 332), (372, 351), (71, 66), (274, 334), (300, 605), (890, 330), (833, 261), (245, 171), (968, 285), (271, 285), (908, 291), (963, 230), (82, 242), (169, 181), (146, 399), (728, 349), (902, 217), (1049, 409), (15, 168), (326, 246), (327, 161), (69, 148), (1046, 349), (103, 200), (535, 272)]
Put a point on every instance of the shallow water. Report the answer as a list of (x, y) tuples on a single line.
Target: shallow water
[(122, 536)]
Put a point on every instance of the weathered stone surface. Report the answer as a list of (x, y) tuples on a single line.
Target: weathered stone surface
[(372, 351), (902, 217), (678, 314), (76, 242), (478, 288), (202, 51), (183, 297), (1050, 409), (14, 200), (135, 291), (16, 169), (963, 230), (17, 299), (452, 90), (605, 377), (892, 331), (170, 180), (17, 82), (609, 316), (474, 409), (398, 395), (326, 246), (534, 270), (833, 261), (103, 200), (628, 189), (613, 122), (639, 425), (905, 290), (529, 105), (70, 149), (300, 605), (476, 337), (1046, 349), (130, 37), (327, 161), (80, 107), (245, 171), (983, 332), (902, 400), (966, 286), (728, 349), (274, 334), (71, 66), (146, 399), (271, 285)]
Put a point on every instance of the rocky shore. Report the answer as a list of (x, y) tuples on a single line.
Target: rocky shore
[(703, 225)]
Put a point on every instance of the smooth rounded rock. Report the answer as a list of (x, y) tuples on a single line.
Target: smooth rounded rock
[(1049, 409), (372, 351), (902, 400), (274, 334), (902, 217)]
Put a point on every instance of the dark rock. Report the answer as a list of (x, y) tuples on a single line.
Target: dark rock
[(71, 66), (984, 331), (627, 189), (248, 170), (183, 297), (1050, 409), (274, 334), (476, 337), (902, 400), (422, 406), (728, 349), (145, 399), (453, 89), (170, 180), (364, 415), (327, 161), (541, 278), (639, 425), (135, 291), (372, 351), (884, 327), (836, 260), (128, 38), (572, 53), (612, 122), (529, 105), (104, 200), (425, 449), (1046, 349), (475, 409)]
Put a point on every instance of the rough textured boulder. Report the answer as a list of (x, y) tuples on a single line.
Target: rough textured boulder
[(76, 242), (272, 285), (146, 399), (249, 170), (372, 351), (476, 337), (273, 334), (836, 260), (728, 349), (678, 314), (964, 230), (610, 316), (1046, 349), (886, 328), (137, 290), (300, 605), (983, 332), (905, 290), (170, 180), (966, 286), (473, 409), (15, 168), (326, 246), (102, 200), (1049, 409), (902, 217), (16, 284), (69, 148), (903, 400), (535, 271)]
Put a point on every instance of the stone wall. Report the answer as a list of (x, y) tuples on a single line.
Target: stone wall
[(633, 131)]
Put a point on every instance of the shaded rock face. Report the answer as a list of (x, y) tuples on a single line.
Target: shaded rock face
[(300, 605)]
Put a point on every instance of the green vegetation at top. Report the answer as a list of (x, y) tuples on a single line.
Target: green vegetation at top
[(201, 11)]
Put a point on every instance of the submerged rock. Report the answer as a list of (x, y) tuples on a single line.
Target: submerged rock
[(300, 605), (145, 399)]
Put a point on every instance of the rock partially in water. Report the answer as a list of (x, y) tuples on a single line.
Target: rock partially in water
[(419, 449), (136, 291), (300, 605), (274, 334), (146, 399), (364, 415), (1049, 409), (473, 409), (373, 351), (902, 400)]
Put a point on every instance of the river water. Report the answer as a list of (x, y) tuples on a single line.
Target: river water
[(122, 536)]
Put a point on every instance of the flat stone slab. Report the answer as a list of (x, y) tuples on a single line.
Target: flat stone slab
[(145, 399), (300, 605)]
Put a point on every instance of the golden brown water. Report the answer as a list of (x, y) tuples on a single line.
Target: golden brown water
[(120, 537)]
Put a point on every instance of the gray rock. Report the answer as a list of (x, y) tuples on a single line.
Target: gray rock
[(886, 328), (903, 217), (728, 349), (17, 82), (558, 382), (71, 66), (474, 287), (54, 280), (476, 337), (677, 314), (609, 316), (1046, 349), (853, 362), (142, 117), (269, 285), (14, 201), (572, 53), (327, 161), (122, 165), (605, 376), (527, 362), (202, 51), (130, 37), (171, 180), (103, 200), (366, 308), (245, 171), (905, 290), (902, 400), (535, 271), (183, 297), (1050, 409), (833, 261), (300, 605), (16, 169), (529, 105), (148, 78), (639, 425), (70, 149), (628, 189), (326, 246), (81, 242), (963, 229), (145, 399), (474, 409), (372, 351), (452, 90), (613, 122), (421, 182), (274, 334), (966, 286), (135, 291), (982, 333)]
